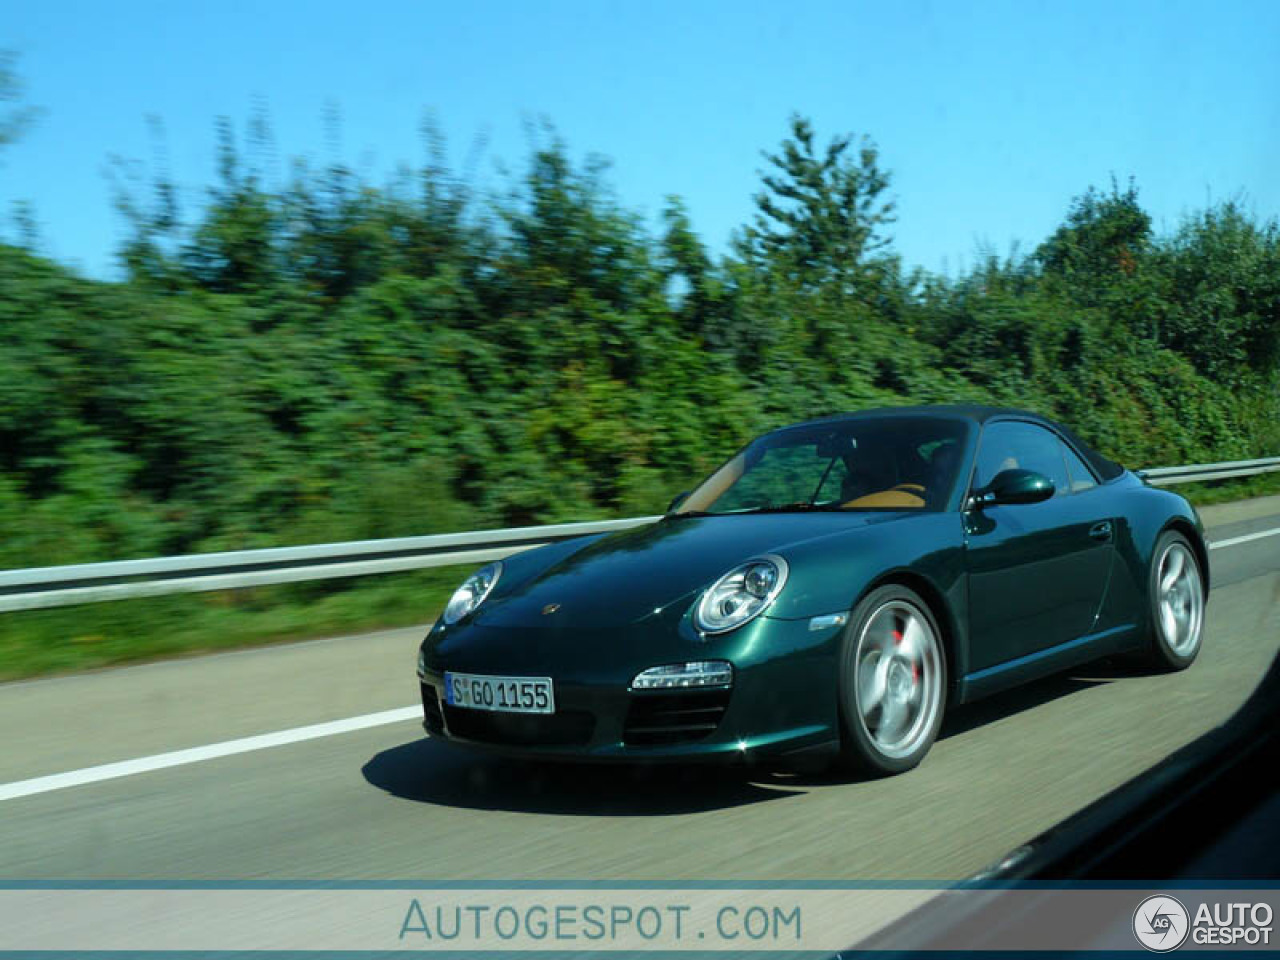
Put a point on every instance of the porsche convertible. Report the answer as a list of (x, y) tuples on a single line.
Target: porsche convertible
[(825, 595)]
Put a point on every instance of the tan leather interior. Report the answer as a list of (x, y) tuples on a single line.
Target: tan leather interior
[(903, 495)]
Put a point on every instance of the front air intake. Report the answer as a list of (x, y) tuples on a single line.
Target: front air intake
[(670, 717)]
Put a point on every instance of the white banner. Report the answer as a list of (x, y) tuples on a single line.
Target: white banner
[(569, 921)]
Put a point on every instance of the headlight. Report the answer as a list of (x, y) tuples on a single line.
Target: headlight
[(472, 593), (741, 594)]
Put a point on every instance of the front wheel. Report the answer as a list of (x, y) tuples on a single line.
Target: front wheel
[(1176, 592), (893, 681)]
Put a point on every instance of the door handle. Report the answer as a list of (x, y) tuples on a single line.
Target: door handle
[(1101, 531)]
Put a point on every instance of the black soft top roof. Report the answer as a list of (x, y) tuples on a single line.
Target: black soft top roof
[(980, 414)]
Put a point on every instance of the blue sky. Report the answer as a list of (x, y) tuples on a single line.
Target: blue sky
[(992, 116)]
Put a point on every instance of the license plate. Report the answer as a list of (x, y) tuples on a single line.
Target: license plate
[(499, 694)]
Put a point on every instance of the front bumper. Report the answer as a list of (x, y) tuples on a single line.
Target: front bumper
[(781, 705)]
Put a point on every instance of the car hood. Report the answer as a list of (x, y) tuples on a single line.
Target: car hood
[(625, 577)]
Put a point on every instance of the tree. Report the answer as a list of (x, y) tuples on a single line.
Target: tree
[(1104, 236), (705, 307), (148, 202), (822, 216), (14, 120), (234, 249), (1221, 305)]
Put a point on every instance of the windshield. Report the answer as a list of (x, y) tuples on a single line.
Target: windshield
[(889, 463)]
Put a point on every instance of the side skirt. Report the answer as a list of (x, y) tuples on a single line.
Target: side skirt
[(1042, 663)]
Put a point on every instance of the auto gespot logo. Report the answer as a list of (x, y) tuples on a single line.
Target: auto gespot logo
[(1161, 923)]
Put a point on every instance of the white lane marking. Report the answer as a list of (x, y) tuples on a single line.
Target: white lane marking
[(160, 761), (1246, 538), (177, 758)]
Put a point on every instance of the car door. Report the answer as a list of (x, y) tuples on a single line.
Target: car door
[(1037, 572)]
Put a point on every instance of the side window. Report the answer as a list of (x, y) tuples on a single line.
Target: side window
[(1013, 445), (1077, 472)]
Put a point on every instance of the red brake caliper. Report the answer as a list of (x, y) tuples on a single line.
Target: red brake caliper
[(915, 664)]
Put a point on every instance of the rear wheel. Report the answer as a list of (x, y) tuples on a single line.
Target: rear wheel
[(1176, 596), (893, 681)]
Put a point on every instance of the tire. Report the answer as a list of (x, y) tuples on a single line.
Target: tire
[(1176, 604), (891, 654)]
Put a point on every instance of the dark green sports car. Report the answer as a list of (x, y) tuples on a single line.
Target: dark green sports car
[(828, 592)]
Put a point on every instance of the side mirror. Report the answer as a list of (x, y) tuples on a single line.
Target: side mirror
[(677, 500), (1014, 487)]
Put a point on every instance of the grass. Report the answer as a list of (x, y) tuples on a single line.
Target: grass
[(71, 639), (1225, 491), (43, 642)]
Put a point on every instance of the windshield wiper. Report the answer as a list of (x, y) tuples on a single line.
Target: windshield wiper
[(802, 506), (798, 507)]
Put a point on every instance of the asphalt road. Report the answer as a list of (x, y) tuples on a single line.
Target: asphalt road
[(384, 803)]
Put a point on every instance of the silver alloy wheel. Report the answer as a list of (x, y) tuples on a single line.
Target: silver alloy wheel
[(1180, 599), (898, 680)]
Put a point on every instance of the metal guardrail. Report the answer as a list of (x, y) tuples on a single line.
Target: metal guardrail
[(41, 587), (1167, 476)]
